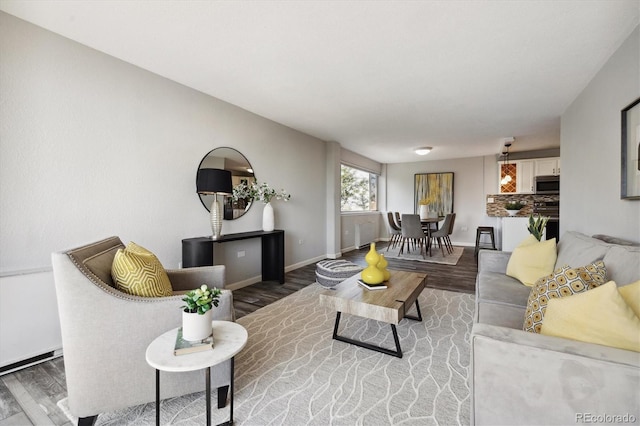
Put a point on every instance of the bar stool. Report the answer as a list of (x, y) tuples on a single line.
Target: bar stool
[(484, 230)]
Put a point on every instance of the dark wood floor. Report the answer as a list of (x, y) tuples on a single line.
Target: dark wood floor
[(29, 396), (460, 278)]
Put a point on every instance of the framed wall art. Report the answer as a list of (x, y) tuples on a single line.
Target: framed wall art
[(435, 190), (630, 179)]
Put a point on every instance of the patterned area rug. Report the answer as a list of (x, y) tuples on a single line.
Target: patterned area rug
[(293, 373), (436, 255)]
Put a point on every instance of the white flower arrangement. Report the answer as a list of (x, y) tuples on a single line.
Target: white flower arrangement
[(258, 191)]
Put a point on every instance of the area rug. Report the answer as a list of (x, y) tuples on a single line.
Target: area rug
[(293, 373), (436, 255)]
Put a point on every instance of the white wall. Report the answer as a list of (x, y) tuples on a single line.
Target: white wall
[(91, 146), (590, 150), (468, 185)]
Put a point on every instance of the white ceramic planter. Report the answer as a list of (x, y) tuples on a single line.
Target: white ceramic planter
[(196, 326), (424, 211), (512, 212), (268, 220)]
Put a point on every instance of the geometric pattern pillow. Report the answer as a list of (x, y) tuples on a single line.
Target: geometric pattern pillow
[(563, 282), (137, 271)]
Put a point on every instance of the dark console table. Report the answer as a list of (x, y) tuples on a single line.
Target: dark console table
[(199, 251)]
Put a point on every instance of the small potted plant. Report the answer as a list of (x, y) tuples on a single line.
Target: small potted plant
[(514, 207), (197, 313), (537, 225), (424, 211), (262, 192)]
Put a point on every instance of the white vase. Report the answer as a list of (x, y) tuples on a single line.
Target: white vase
[(196, 326), (268, 221), (424, 211), (512, 212)]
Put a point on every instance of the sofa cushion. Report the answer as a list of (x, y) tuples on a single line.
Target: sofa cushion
[(532, 260), (137, 271), (598, 316), (623, 264), (576, 249), (501, 300), (563, 282), (501, 289)]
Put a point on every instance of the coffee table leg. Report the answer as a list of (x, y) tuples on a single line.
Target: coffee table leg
[(157, 397), (396, 353), (416, 318)]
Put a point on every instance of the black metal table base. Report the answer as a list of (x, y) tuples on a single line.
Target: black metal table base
[(397, 352), (207, 395)]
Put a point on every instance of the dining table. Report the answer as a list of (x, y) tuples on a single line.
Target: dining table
[(426, 223)]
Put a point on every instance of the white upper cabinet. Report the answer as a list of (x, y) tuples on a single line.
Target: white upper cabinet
[(525, 174), (547, 166)]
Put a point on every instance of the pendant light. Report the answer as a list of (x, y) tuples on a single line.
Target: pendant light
[(505, 155)]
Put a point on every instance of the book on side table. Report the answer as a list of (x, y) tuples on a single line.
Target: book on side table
[(380, 286), (184, 347)]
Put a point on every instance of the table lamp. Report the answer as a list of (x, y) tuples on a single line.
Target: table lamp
[(214, 182)]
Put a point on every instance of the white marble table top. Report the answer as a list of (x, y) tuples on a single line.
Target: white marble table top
[(228, 339)]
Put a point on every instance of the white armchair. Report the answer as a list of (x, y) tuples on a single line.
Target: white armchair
[(105, 332)]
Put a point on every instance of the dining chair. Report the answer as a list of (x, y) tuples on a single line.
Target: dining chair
[(394, 231), (448, 237), (412, 233), (398, 220), (441, 234)]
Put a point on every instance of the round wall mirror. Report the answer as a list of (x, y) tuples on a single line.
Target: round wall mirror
[(241, 172)]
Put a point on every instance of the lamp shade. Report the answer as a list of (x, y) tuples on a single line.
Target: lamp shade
[(214, 181)]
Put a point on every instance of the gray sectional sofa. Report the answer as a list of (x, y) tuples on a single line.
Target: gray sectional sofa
[(522, 378)]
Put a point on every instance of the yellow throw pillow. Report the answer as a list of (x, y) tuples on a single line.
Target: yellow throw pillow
[(631, 294), (137, 271), (563, 282), (532, 260), (597, 316)]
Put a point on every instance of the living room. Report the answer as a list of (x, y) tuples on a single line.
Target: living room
[(110, 148)]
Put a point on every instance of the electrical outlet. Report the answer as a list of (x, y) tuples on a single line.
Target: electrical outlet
[(464, 229), (490, 200), (241, 253), (301, 241)]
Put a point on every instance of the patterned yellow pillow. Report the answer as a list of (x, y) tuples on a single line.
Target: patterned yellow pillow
[(137, 271), (563, 282)]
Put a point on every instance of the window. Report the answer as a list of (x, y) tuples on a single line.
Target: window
[(359, 190)]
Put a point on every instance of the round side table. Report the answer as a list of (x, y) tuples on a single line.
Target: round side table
[(228, 339)]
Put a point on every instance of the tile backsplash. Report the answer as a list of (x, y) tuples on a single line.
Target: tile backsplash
[(496, 208)]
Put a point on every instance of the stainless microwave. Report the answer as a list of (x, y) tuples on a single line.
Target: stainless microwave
[(547, 184)]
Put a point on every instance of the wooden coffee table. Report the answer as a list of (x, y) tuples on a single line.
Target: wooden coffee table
[(389, 305)]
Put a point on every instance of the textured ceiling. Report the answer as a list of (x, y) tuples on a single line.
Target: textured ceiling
[(379, 77)]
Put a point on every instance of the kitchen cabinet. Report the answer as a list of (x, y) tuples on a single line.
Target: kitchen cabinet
[(523, 173), (525, 176), (547, 166), (522, 177)]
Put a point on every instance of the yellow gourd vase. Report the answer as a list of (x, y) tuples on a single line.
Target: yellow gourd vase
[(382, 265), (371, 274)]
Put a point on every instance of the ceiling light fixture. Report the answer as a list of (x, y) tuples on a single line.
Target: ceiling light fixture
[(423, 150)]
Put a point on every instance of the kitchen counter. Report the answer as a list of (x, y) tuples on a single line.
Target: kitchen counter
[(495, 203)]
